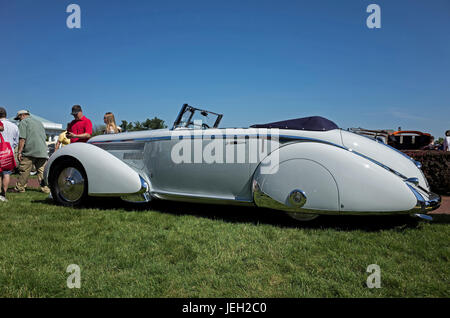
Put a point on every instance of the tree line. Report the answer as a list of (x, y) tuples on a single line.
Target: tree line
[(147, 124)]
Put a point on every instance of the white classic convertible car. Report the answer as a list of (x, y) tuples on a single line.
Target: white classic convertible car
[(305, 167)]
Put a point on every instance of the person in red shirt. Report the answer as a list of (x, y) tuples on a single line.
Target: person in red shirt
[(80, 129)]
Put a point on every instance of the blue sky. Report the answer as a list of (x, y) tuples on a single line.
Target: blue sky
[(253, 61)]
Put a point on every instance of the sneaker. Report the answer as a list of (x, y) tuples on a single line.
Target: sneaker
[(3, 199)]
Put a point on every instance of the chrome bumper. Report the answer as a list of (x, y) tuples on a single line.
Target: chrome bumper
[(142, 196), (426, 201)]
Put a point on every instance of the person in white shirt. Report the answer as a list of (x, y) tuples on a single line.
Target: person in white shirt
[(10, 134), (447, 141)]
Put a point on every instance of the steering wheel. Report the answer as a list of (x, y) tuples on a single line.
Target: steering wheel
[(205, 125)]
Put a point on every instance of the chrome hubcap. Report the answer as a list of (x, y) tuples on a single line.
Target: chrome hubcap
[(297, 198), (70, 184)]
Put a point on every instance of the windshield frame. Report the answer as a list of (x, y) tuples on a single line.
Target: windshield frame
[(186, 108)]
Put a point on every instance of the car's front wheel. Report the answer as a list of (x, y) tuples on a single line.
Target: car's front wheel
[(69, 184)]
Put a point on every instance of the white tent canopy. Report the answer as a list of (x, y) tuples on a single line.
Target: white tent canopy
[(52, 130)]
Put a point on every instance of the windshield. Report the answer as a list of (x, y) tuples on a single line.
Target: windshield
[(191, 117)]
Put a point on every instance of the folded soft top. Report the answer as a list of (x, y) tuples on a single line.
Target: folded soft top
[(316, 123)]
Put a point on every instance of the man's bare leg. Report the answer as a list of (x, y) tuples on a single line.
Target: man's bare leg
[(5, 182), (1, 183)]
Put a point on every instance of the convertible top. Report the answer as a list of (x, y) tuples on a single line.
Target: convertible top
[(315, 123)]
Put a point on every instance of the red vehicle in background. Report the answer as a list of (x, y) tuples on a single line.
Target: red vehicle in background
[(409, 139)]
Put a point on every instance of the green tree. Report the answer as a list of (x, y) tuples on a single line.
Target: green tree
[(138, 126), (126, 126), (148, 124), (98, 130), (154, 123)]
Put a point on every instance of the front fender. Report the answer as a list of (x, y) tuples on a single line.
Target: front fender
[(107, 175)]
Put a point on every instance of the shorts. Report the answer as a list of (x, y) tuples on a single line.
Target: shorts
[(5, 172)]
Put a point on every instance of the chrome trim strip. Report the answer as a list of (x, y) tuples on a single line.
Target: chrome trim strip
[(111, 146), (236, 136), (194, 198), (379, 164), (414, 181), (130, 140)]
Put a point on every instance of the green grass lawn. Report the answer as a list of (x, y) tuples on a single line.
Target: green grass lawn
[(184, 250)]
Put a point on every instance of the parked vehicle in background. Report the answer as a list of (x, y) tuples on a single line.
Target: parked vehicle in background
[(305, 167), (380, 135), (401, 140), (409, 140)]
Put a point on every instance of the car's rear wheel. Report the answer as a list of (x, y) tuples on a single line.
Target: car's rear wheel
[(69, 183)]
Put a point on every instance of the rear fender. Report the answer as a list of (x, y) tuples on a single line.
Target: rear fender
[(333, 179)]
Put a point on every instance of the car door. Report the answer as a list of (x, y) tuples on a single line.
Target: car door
[(203, 163)]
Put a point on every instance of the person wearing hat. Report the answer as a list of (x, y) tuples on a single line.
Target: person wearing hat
[(10, 133), (32, 150), (80, 129)]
